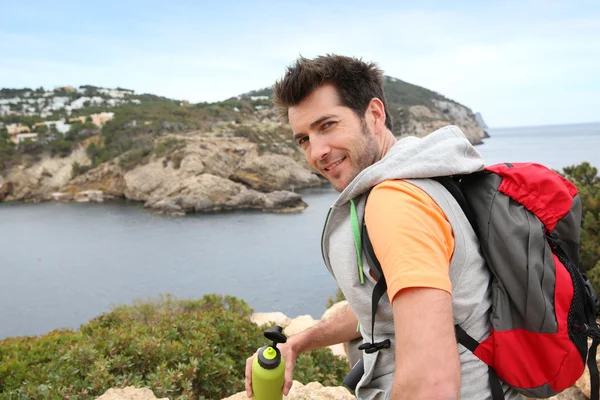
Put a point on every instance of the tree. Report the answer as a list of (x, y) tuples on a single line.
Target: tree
[(7, 148), (41, 129), (585, 177)]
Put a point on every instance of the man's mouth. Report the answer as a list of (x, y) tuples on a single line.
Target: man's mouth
[(333, 165)]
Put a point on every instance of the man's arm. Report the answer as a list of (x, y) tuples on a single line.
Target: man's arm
[(338, 328), (427, 363)]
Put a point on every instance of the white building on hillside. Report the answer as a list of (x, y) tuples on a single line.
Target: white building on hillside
[(25, 136), (59, 102), (119, 94), (14, 100), (78, 103)]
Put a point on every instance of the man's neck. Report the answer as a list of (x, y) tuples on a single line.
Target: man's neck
[(388, 141)]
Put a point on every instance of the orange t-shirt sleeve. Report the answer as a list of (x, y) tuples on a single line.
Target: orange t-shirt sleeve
[(411, 237)]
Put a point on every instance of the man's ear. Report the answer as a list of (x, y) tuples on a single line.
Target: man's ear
[(376, 109)]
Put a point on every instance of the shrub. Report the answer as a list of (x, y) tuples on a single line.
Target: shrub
[(339, 296), (176, 159), (184, 349), (78, 169), (586, 178), (135, 157), (168, 146)]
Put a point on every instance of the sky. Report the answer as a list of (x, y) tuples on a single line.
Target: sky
[(518, 63)]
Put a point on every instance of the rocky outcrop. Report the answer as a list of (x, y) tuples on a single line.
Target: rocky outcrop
[(482, 124), (203, 175), (310, 391), (107, 178), (6, 189), (420, 120), (292, 326), (274, 172), (130, 393), (39, 181)]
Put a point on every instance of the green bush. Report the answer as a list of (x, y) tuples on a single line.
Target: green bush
[(78, 169), (61, 147), (135, 157), (168, 146), (586, 178), (184, 349), (339, 296)]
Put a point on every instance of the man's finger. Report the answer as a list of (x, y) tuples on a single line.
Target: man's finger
[(249, 376), (287, 383)]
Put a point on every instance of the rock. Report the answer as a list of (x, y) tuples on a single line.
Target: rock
[(6, 189), (310, 391), (480, 121), (208, 192), (284, 201), (62, 197), (335, 309), (296, 325), (169, 207), (38, 181), (129, 393), (274, 318), (464, 118), (274, 172), (107, 177), (421, 120), (92, 196), (299, 324)]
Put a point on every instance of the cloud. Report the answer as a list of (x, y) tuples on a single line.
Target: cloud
[(518, 63)]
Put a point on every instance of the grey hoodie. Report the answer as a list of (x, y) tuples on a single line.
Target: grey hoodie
[(441, 153)]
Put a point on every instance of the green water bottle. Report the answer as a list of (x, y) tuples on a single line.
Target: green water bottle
[(268, 368)]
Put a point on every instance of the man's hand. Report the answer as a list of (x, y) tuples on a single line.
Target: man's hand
[(338, 328), (289, 356)]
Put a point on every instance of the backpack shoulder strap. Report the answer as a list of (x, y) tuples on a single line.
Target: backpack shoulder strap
[(452, 185)]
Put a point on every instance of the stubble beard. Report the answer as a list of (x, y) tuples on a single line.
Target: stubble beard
[(367, 157)]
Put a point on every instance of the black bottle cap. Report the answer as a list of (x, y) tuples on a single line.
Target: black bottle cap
[(269, 362)]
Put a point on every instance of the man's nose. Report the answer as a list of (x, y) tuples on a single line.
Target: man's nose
[(319, 148)]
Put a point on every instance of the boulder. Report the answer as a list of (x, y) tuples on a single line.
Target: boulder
[(274, 172), (62, 197), (299, 324), (6, 189), (310, 391), (274, 318), (89, 196), (129, 393), (335, 309), (107, 177)]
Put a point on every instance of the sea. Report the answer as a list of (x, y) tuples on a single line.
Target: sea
[(63, 264)]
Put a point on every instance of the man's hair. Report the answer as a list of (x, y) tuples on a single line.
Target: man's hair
[(356, 81)]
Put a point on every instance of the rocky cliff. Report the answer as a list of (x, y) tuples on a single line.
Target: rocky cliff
[(203, 175), (179, 158)]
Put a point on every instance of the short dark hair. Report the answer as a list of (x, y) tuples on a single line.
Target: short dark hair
[(357, 83)]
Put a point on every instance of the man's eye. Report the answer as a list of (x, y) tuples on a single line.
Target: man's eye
[(328, 125), (303, 140)]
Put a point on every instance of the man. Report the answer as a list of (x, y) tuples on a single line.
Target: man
[(428, 251)]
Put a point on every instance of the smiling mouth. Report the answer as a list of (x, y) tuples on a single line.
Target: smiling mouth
[(334, 165)]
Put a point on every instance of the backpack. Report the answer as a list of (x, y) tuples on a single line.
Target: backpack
[(528, 220)]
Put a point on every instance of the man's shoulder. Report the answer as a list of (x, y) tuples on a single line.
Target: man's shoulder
[(398, 190)]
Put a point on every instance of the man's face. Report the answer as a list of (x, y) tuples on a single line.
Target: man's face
[(337, 143)]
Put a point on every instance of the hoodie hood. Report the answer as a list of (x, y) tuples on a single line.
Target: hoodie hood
[(444, 152)]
